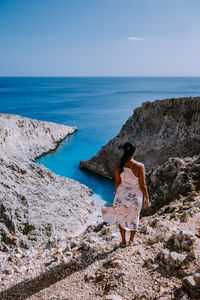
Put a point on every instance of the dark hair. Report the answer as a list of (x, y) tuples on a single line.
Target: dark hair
[(129, 149)]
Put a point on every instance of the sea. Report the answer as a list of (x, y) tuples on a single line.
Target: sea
[(98, 106)]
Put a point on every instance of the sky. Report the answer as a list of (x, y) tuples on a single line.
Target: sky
[(99, 38)]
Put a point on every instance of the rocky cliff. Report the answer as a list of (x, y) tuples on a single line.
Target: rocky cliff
[(160, 130), (176, 179), (36, 206), (163, 264)]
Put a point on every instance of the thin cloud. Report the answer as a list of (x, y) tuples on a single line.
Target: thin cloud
[(135, 38)]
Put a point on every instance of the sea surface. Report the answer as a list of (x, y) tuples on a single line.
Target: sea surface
[(98, 106)]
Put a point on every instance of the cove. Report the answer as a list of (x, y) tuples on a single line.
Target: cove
[(98, 106), (65, 162)]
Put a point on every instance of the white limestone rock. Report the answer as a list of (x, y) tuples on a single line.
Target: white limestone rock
[(176, 259), (183, 240), (37, 206)]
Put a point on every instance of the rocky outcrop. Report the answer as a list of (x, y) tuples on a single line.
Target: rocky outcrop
[(37, 207), (177, 178), (160, 130), (181, 241), (30, 138)]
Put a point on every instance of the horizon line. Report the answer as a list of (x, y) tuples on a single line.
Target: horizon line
[(99, 76)]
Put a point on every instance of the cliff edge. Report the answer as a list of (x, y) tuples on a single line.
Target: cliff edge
[(160, 130), (37, 207)]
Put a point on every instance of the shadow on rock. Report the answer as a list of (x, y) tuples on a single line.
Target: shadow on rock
[(29, 287)]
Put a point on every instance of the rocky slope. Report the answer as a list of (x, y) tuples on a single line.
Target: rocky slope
[(164, 264), (160, 130), (37, 207)]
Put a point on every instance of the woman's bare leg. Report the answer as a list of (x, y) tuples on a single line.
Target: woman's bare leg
[(132, 235), (123, 235)]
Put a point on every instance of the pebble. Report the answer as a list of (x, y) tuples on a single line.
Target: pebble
[(69, 254), (193, 254), (89, 276), (149, 261), (16, 269), (93, 239), (117, 263), (23, 269), (59, 256), (59, 249), (85, 246), (113, 297), (8, 271)]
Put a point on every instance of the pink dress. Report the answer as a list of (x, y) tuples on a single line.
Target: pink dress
[(127, 202)]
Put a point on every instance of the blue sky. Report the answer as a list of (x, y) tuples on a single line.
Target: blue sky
[(99, 38)]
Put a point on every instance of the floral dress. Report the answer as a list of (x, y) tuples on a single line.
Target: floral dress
[(127, 202)]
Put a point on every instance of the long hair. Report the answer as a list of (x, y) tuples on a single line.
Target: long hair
[(129, 149)]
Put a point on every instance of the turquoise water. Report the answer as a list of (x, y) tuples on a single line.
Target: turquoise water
[(97, 106)]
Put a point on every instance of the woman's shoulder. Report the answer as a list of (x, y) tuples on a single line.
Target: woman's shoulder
[(137, 164)]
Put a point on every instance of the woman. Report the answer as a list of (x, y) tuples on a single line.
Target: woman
[(130, 186)]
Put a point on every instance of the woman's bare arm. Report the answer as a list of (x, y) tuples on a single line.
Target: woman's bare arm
[(117, 177), (143, 185)]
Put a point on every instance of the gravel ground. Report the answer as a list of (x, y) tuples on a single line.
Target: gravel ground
[(94, 266)]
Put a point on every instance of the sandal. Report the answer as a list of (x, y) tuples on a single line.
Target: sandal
[(123, 245), (134, 243)]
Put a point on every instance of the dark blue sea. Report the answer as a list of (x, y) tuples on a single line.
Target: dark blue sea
[(98, 106)]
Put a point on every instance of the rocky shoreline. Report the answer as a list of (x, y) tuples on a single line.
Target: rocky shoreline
[(38, 207)]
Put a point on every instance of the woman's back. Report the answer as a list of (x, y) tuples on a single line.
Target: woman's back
[(128, 178)]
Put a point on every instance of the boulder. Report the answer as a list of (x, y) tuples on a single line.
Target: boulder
[(189, 282), (191, 285)]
